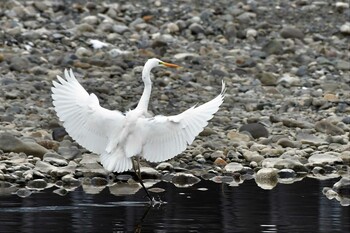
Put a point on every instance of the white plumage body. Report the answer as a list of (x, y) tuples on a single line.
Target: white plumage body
[(118, 137)]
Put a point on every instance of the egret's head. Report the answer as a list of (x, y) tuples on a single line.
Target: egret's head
[(154, 62)]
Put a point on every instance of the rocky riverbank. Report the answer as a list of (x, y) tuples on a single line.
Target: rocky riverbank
[(286, 66)]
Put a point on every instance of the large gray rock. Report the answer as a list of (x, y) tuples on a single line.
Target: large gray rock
[(9, 143)]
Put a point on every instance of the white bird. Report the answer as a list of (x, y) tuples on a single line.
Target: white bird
[(119, 138)]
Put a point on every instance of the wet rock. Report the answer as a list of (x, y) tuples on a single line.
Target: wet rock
[(165, 166), (325, 158), (123, 177), (290, 164), (342, 187), (286, 173), (340, 191), (256, 130), (70, 181), (222, 179), (182, 180), (23, 192), (61, 191), (91, 189), (267, 178), (233, 167), (327, 127), (62, 171), (99, 181), (38, 184), (6, 188), (156, 190), (149, 173), (124, 189), (9, 143)]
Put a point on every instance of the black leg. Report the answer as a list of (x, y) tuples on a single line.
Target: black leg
[(138, 174)]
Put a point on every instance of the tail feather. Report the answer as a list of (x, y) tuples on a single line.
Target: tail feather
[(116, 161)]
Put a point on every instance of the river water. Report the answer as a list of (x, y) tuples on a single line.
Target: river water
[(204, 207)]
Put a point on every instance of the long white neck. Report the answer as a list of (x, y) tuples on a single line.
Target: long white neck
[(143, 103)]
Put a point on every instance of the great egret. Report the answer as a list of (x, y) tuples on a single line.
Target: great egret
[(121, 139)]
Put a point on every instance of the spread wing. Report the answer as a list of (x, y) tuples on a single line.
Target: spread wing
[(166, 137), (84, 119)]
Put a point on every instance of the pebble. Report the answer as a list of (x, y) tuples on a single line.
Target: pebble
[(292, 32), (220, 162), (55, 159), (327, 127), (310, 139), (285, 142), (92, 170), (256, 130), (233, 167), (123, 189), (38, 184), (165, 166), (267, 178), (149, 173), (267, 78), (345, 28)]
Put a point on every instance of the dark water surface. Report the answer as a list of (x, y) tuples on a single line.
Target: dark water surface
[(299, 207)]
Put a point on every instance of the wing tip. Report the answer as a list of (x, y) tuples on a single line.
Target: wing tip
[(223, 89)]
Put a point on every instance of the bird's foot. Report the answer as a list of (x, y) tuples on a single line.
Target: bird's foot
[(155, 202)]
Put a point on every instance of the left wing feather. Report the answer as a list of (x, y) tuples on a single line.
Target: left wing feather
[(166, 137)]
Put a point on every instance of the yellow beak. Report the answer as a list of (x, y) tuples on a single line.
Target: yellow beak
[(170, 65)]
